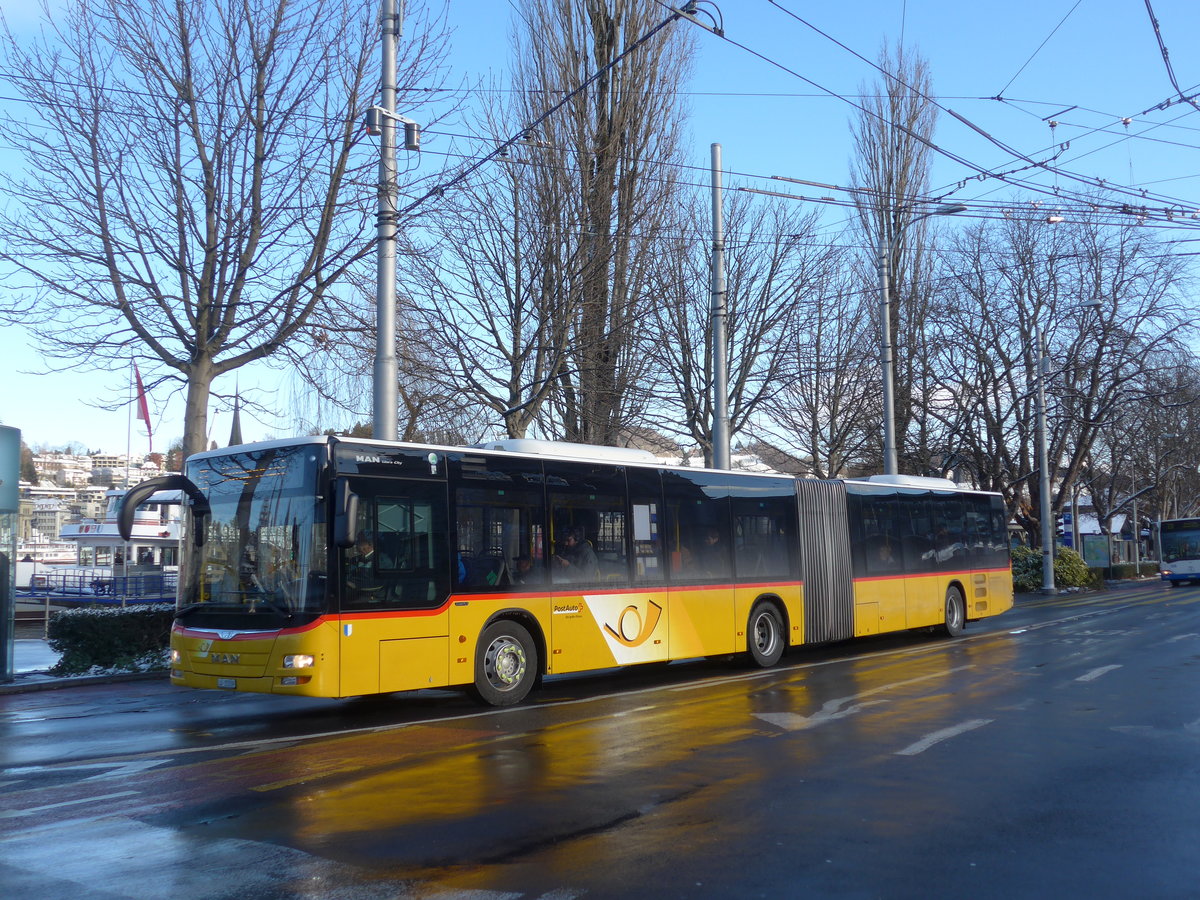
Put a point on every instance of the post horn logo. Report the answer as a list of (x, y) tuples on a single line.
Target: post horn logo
[(632, 630)]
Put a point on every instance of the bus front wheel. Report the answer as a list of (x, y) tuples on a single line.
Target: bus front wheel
[(956, 616), (506, 664), (765, 635)]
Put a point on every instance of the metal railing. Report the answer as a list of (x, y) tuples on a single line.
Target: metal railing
[(103, 586), (50, 592)]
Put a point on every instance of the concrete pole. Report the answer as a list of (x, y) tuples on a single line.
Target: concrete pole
[(1137, 542), (10, 509), (891, 465), (386, 373), (1044, 482), (1076, 540), (718, 314)]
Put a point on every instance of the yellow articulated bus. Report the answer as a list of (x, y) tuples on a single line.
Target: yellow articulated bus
[(332, 567)]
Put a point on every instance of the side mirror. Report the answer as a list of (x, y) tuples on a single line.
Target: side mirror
[(345, 514), (140, 493)]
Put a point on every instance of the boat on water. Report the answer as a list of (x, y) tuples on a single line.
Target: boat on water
[(39, 555), (104, 568)]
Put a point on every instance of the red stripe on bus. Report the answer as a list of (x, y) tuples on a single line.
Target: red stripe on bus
[(508, 597)]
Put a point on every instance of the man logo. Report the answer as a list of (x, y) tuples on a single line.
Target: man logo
[(632, 630)]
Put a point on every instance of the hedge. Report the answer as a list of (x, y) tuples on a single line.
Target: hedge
[(111, 638), (1069, 570)]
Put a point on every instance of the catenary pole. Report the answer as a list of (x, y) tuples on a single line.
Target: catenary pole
[(718, 314), (386, 372), (1044, 482)]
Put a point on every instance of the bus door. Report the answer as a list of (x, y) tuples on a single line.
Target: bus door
[(605, 568), (392, 585), (699, 543)]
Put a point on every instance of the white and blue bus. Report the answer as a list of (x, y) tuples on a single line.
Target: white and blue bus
[(1179, 550)]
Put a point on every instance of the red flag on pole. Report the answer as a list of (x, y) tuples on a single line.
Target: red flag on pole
[(143, 410)]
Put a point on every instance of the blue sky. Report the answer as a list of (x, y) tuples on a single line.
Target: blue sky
[(1009, 68)]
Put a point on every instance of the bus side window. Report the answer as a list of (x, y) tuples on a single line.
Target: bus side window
[(884, 553), (399, 561)]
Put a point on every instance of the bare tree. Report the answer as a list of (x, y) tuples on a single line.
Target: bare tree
[(608, 170), (528, 296), (338, 372), (892, 137), (828, 405), (1108, 305), (200, 195), (774, 261), (492, 312), (1169, 431)]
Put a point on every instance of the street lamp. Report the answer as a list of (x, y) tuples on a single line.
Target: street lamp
[(890, 462)]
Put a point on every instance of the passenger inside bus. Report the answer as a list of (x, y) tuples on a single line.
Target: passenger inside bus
[(576, 560), (361, 577), (524, 571), (712, 556)]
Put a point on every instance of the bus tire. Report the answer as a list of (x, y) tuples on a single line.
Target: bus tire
[(764, 635), (956, 613), (506, 664)]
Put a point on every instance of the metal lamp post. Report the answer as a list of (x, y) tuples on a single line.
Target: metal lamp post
[(1044, 474), (1044, 510), (718, 312), (890, 459)]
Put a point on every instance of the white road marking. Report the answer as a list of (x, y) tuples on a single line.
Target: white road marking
[(832, 710), (828, 713), (118, 769), (21, 813), (1096, 673), (945, 734)]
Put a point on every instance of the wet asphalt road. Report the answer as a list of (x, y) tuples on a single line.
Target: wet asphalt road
[(1052, 752)]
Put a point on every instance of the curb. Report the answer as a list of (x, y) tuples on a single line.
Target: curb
[(29, 682)]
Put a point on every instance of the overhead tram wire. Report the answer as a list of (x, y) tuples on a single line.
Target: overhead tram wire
[(1053, 32), (997, 210), (1014, 102), (1011, 151), (983, 210), (981, 171), (1030, 162), (1004, 177), (1166, 57), (1104, 129), (586, 83)]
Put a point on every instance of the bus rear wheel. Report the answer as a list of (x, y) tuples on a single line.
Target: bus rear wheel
[(956, 615), (506, 664), (765, 635)]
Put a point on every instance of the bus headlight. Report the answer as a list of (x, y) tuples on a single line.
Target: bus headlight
[(176, 657), (298, 661)]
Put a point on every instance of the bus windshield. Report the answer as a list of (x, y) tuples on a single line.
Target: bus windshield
[(1180, 540), (264, 554)]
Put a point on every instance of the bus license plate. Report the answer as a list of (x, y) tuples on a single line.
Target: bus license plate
[(230, 683)]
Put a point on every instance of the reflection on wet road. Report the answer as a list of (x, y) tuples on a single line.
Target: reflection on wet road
[(1046, 750)]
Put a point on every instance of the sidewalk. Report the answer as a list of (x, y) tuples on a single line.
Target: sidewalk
[(32, 656)]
